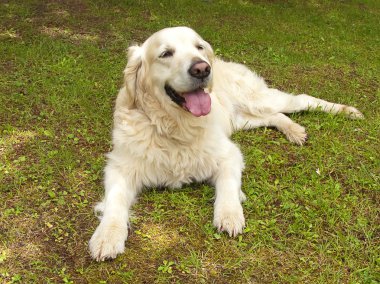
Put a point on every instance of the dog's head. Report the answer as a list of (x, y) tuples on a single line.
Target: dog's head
[(175, 65)]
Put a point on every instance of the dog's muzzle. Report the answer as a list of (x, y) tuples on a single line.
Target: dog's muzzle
[(197, 102), (179, 100), (200, 70)]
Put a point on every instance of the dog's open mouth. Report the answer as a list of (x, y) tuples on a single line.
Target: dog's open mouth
[(197, 102)]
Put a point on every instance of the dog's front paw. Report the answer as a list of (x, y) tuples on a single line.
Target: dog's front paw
[(108, 241), (230, 220)]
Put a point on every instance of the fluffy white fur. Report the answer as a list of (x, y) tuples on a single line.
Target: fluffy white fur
[(158, 143)]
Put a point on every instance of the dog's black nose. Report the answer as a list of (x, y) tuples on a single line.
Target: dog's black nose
[(200, 70)]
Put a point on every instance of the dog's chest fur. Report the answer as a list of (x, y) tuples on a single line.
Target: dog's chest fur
[(181, 155)]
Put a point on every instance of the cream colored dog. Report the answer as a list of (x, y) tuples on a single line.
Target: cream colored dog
[(172, 123)]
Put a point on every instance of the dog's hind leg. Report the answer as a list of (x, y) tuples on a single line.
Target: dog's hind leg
[(293, 131), (278, 101), (267, 110)]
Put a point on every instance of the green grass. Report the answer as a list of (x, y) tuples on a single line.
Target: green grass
[(312, 212)]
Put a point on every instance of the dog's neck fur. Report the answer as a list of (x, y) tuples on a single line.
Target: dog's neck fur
[(165, 118), (170, 120)]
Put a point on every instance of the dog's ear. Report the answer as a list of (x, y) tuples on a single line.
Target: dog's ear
[(134, 52), (209, 51), (131, 73), (211, 57)]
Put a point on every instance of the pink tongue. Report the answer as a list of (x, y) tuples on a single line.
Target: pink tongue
[(197, 102)]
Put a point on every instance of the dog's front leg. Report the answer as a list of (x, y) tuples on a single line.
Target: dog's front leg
[(228, 211), (109, 237)]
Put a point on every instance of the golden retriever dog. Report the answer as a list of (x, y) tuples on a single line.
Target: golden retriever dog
[(172, 124)]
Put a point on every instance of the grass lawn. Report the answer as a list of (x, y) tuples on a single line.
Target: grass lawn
[(312, 212)]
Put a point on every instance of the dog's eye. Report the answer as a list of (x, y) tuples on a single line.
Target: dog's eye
[(200, 47), (166, 53)]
